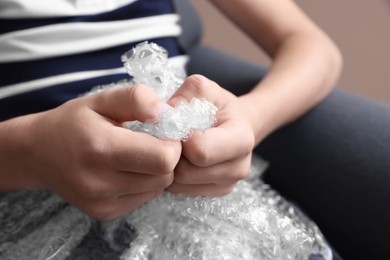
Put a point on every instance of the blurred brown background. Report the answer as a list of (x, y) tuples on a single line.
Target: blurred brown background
[(360, 28)]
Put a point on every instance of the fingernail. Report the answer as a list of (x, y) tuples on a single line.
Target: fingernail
[(175, 101), (161, 109)]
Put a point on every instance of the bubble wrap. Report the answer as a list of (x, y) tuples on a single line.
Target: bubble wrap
[(39, 225), (148, 64), (253, 222), (178, 123)]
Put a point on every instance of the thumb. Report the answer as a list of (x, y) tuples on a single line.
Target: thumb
[(197, 86), (137, 102)]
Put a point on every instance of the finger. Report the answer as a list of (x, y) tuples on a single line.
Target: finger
[(114, 208), (226, 172), (127, 203), (209, 190), (143, 153), (137, 102), (223, 143), (126, 183), (201, 87)]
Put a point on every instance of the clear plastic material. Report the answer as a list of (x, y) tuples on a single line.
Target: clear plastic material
[(39, 225), (178, 123), (253, 222), (148, 64)]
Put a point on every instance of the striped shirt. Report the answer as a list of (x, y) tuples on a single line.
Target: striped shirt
[(54, 50)]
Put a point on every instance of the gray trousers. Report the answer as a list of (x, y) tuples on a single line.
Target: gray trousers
[(334, 162)]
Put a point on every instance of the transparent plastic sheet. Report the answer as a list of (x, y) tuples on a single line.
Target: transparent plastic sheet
[(253, 222), (148, 64), (178, 123), (39, 225)]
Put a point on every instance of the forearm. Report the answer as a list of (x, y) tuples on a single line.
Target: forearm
[(304, 70), (306, 63)]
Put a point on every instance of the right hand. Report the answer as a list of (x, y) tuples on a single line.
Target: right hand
[(81, 151)]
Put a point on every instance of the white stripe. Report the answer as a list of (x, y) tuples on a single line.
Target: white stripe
[(23, 87), (57, 8), (72, 38), (20, 88)]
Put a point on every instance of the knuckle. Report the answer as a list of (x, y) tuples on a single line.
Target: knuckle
[(241, 174), (139, 96), (100, 211), (197, 83), (137, 91), (167, 165), (181, 176), (167, 159), (246, 146), (199, 155), (92, 190), (243, 168), (93, 151), (250, 143), (165, 181), (227, 190)]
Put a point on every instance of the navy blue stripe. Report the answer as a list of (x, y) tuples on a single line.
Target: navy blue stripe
[(48, 98), (105, 59), (141, 8)]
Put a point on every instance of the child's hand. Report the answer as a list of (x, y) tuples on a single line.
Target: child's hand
[(81, 151), (215, 160)]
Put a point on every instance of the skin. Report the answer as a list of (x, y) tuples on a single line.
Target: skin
[(81, 151), (86, 157), (305, 67)]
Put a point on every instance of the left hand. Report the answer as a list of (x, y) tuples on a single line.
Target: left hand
[(213, 161)]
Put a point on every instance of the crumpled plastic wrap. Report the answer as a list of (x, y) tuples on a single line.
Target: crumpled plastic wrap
[(178, 123), (39, 225), (253, 222), (148, 64)]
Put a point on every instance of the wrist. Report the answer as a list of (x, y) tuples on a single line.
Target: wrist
[(16, 172), (253, 114), (262, 113)]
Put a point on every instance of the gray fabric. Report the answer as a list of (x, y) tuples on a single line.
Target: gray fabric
[(334, 162), (224, 69), (190, 23)]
